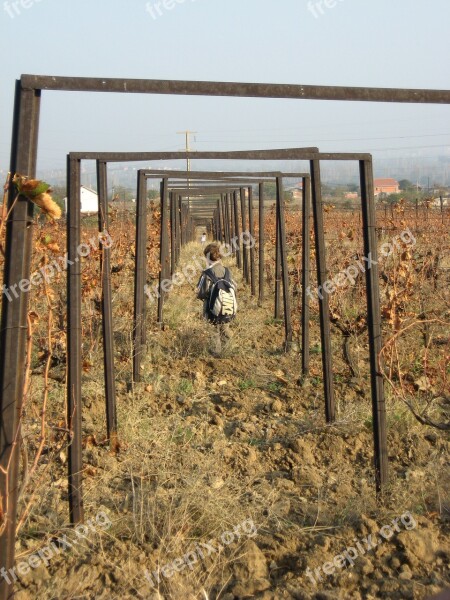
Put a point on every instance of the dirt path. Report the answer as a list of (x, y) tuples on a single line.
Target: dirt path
[(229, 484)]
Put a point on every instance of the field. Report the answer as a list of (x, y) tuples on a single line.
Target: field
[(227, 483)]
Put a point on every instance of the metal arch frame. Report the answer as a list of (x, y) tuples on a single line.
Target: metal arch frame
[(19, 228), (258, 178), (74, 319), (250, 178), (374, 319), (74, 308)]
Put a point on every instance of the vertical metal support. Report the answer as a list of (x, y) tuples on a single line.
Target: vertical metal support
[(251, 223), (188, 224), (172, 232), (186, 221), (74, 346), (224, 223), (236, 231), (232, 225), (107, 319), (224, 218), (140, 276), (261, 244), (19, 232), (284, 264), (277, 307), (219, 222), (177, 228), (227, 219), (325, 333), (306, 277), (182, 227), (374, 324), (163, 275), (229, 200), (244, 229), (214, 225)]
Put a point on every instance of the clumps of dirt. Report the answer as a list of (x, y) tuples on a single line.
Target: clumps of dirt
[(210, 444)]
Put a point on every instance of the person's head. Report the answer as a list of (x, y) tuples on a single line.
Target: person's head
[(212, 252)]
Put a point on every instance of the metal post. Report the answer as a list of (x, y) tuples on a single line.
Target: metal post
[(233, 225), (227, 218), (107, 319), (277, 308), (325, 333), (140, 276), (214, 225), (244, 245), (374, 324), (219, 235), (224, 218), (236, 230), (163, 275), (261, 244), (14, 318), (284, 264), (306, 251), (74, 346), (172, 233), (251, 221), (176, 228), (182, 224)]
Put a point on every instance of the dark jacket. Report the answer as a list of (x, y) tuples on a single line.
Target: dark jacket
[(204, 284)]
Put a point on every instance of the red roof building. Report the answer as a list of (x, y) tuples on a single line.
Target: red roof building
[(386, 186)]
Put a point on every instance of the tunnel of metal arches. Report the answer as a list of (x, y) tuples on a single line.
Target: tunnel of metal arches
[(223, 202)]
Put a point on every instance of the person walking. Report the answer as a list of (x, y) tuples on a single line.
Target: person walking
[(203, 239), (217, 290)]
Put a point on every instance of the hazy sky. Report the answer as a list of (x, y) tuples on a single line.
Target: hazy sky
[(385, 43)]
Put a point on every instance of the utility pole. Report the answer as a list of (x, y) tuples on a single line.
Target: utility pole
[(187, 133)]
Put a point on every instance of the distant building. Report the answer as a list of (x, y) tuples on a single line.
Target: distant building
[(351, 195), (89, 201), (386, 186), (437, 201), (296, 191)]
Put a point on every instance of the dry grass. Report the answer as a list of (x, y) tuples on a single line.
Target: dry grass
[(203, 450)]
